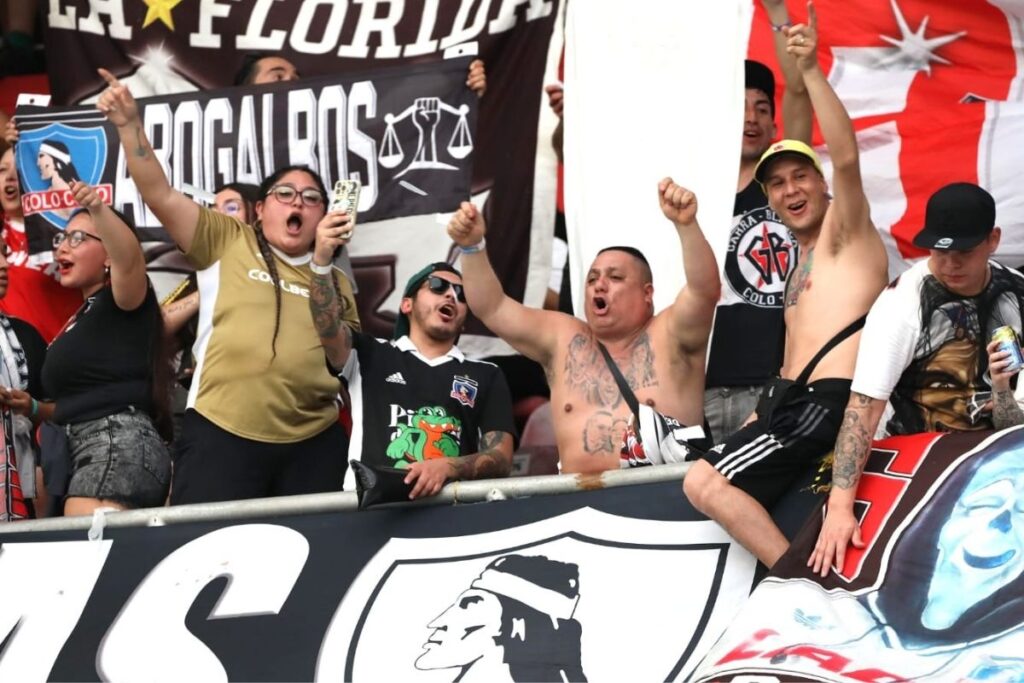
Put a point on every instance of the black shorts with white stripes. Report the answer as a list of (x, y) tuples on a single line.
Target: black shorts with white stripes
[(765, 457)]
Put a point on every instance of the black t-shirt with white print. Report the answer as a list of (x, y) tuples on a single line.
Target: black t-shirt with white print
[(747, 337), (406, 408)]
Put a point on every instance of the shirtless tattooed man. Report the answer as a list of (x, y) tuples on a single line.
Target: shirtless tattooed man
[(841, 269), (661, 356)]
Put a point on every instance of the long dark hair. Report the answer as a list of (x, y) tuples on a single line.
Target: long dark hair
[(261, 239)]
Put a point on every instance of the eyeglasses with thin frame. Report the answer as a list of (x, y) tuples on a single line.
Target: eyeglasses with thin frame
[(286, 195), (74, 238), (438, 285)]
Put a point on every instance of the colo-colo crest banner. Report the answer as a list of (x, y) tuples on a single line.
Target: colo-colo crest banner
[(936, 594), (608, 585), (160, 48), (406, 134)]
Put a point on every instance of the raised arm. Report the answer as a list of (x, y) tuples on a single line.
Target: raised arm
[(493, 460), (690, 315), (797, 115), (530, 331), (850, 202), (853, 446), (326, 304), (127, 262), (176, 212)]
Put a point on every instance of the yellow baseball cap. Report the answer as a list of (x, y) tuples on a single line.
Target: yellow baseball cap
[(781, 147)]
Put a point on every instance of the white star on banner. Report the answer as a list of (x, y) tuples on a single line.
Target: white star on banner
[(914, 51)]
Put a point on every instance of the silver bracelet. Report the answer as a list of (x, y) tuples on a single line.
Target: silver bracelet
[(478, 247), (318, 269), (779, 28)]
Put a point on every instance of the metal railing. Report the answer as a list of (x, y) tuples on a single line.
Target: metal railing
[(455, 493)]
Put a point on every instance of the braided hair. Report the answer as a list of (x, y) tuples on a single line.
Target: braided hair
[(264, 246)]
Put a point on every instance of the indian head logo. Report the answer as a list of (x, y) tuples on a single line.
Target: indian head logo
[(50, 158), (535, 603)]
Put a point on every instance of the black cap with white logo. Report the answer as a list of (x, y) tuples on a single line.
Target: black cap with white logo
[(959, 216)]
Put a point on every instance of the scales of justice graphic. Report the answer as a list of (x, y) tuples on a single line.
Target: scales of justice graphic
[(426, 113)]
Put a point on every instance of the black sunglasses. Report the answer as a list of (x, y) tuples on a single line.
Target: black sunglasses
[(438, 285)]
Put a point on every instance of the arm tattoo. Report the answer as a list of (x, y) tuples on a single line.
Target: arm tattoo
[(586, 372), (1006, 411), (326, 305), (141, 150), (853, 444), (487, 463)]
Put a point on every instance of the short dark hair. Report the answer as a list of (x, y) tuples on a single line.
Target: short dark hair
[(247, 72), (638, 255)]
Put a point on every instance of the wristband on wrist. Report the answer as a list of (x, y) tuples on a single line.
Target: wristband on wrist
[(779, 28), (318, 269), (35, 407), (478, 247)]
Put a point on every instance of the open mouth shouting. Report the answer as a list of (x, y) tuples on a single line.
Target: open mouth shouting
[(447, 312), (10, 192), (797, 208), (294, 223), (600, 305)]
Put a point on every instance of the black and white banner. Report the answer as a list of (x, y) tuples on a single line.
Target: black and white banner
[(607, 585), (406, 134)]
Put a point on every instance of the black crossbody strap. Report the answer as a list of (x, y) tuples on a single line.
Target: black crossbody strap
[(624, 389), (829, 345)]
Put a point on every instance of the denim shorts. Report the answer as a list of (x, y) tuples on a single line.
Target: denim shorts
[(119, 458)]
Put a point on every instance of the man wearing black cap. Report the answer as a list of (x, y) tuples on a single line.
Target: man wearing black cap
[(842, 266), (925, 349), (747, 335), (418, 403)]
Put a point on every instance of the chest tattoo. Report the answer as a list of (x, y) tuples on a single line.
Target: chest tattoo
[(800, 281), (587, 374)]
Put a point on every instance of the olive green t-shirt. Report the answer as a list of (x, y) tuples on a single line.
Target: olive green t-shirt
[(239, 384)]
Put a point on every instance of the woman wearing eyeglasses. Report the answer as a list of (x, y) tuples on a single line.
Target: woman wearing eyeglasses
[(262, 418), (106, 372)]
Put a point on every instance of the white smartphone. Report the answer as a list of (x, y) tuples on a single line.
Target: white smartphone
[(346, 198)]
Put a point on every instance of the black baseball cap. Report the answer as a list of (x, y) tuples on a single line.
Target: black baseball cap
[(414, 283), (958, 217), (760, 77)]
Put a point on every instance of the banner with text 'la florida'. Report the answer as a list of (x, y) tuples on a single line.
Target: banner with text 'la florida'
[(407, 134)]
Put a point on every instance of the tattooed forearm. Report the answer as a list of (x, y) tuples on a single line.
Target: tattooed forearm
[(328, 308), (853, 444), (325, 305), (141, 146), (489, 462), (1006, 411)]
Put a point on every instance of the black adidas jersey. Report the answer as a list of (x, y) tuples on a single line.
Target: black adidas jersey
[(748, 321), (406, 408)]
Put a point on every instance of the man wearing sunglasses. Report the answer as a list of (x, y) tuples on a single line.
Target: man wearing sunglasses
[(418, 403)]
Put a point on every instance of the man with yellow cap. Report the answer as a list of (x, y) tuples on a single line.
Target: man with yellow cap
[(841, 268)]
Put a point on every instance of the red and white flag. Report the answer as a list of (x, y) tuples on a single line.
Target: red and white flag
[(936, 94)]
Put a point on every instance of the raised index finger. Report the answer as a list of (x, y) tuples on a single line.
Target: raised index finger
[(110, 78), (812, 15)]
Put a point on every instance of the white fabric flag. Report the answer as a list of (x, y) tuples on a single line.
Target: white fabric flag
[(653, 89)]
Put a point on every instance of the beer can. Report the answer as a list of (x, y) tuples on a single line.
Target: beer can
[(1007, 339)]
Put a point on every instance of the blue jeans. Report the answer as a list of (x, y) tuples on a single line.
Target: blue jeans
[(727, 408)]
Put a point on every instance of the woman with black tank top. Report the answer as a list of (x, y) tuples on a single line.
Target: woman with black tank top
[(106, 372)]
